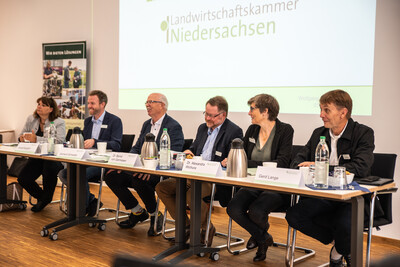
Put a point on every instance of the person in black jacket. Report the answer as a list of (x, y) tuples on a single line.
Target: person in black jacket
[(350, 145), (267, 139), (213, 140)]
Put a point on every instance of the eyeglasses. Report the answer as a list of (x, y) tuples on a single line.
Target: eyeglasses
[(253, 108), (212, 116), (151, 102)]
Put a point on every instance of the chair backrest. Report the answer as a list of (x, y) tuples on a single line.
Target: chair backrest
[(127, 142), (1, 138), (384, 165), (295, 150), (68, 136), (187, 144)]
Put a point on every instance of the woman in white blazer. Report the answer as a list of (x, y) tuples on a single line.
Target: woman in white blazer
[(33, 131)]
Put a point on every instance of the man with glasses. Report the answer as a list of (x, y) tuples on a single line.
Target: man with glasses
[(213, 140), (144, 184)]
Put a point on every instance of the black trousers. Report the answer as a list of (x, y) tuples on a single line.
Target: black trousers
[(250, 209), (32, 170), (120, 183), (323, 220)]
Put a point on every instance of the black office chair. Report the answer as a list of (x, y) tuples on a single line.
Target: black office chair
[(187, 143), (291, 233), (295, 150), (126, 145), (68, 136), (127, 142), (381, 210), (379, 213)]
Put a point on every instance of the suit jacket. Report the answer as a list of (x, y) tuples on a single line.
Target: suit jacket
[(281, 149), (111, 131), (32, 123), (174, 131), (222, 145), (357, 141)]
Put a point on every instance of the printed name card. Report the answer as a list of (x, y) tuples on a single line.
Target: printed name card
[(203, 167), (279, 176), (30, 148), (125, 159), (73, 153)]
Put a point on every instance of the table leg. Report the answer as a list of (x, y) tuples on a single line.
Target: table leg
[(195, 223), (179, 222), (357, 227), (76, 190)]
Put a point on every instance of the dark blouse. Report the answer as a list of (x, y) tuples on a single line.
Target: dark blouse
[(281, 149)]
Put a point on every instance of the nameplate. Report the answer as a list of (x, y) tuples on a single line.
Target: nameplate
[(125, 159), (30, 148), (212, 168), (73, 153), (279, 176)]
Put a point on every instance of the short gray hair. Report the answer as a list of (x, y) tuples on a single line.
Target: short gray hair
[(164, 99)]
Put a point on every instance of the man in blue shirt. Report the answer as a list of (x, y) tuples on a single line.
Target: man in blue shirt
[(213, 140), (102, 126)]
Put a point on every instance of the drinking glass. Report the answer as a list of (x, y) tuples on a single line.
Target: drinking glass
[(339, 178), (179, 161)]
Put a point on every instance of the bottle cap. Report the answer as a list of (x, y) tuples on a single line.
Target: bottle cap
[(322, 137), (165, 129)]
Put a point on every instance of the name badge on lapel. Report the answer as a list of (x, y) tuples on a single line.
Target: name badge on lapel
[(252, 140), (346, 156), (104, 126), (218, 154)]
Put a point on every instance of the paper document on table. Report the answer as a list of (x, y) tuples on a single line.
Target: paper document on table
[(125, 159), (73, 153), (30, 148), (211, 168), (279, 176)]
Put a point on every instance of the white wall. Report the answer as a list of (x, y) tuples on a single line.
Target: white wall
[(25, 25)]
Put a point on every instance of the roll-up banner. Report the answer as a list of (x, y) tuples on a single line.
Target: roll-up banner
[(64, 79)]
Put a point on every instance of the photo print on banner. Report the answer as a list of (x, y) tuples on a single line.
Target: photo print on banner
[(64, 79)]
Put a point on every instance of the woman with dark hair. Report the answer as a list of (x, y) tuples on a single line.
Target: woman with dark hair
[(33, 131), (267, 139)]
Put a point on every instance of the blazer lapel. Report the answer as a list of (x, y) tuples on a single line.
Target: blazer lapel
[(251, 145), (219, 136), (105, 122)]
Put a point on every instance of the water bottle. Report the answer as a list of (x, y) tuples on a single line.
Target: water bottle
[(165, 151), (51, 137), (321, 164)]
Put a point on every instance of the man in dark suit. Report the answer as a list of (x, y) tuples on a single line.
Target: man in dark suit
[(213, 140), (101, 126), (144, 184)]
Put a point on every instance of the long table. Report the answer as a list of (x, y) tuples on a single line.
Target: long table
[(77, 193)]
